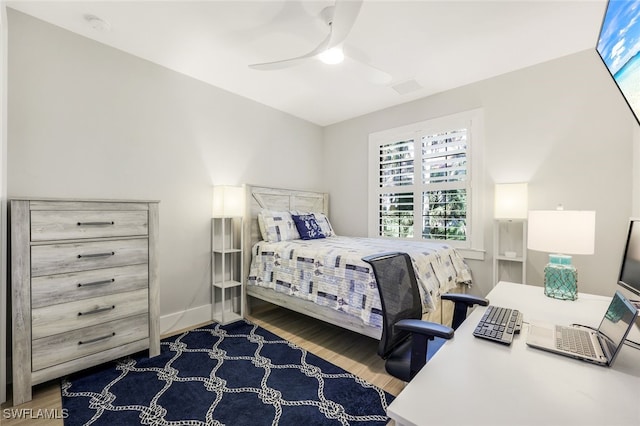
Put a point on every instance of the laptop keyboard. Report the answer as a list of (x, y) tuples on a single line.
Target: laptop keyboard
[(574, 340)]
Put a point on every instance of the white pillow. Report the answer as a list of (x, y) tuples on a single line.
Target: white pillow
[(277, 226)]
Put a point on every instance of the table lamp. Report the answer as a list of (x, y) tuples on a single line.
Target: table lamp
[(561, 232)]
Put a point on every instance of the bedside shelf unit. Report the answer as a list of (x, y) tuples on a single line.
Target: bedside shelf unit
[(510, 235), (227, 298)]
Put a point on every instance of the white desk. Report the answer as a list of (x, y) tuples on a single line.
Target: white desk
[(472, 381)]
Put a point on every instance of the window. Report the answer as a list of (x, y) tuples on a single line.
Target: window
[(422, 181)]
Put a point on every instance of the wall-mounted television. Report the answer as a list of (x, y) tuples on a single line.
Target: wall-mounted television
[(619, 48)]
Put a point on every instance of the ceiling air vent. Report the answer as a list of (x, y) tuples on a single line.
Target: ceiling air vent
[(406, 87)]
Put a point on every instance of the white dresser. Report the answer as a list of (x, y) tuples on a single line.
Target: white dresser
[(84, 286)]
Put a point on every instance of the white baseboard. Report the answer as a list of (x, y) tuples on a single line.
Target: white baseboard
[(185, 319)]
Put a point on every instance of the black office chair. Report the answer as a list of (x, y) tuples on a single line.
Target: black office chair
[(405, 336)]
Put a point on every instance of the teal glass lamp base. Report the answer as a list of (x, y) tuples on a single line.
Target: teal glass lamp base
[(560, 278)]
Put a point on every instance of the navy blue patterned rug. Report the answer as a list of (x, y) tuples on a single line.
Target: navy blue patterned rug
[(238, 374)]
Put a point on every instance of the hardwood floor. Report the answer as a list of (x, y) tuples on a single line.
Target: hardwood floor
[(350, 351), (44, 409)]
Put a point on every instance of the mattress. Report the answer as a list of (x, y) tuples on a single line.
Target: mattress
[(330, 271)]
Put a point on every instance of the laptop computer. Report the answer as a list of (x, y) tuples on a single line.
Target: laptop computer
[(597, 346)]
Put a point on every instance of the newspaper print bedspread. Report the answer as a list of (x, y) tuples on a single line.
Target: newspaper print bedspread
[(331, 272)]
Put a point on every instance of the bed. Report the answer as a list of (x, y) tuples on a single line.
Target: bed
[(326, 278)]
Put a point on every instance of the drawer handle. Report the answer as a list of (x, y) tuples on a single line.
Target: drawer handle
[(96, 283), (97, 339), (96, 311), (95, 223), (87, 256)]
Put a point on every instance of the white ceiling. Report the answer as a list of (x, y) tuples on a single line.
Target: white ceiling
[(438, 44)]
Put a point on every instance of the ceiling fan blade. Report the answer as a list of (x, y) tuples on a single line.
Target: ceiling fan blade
[(284, 63), (369, 72), (345, 14)]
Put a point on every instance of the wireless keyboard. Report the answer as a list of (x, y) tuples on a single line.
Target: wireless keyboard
[(499, 324)]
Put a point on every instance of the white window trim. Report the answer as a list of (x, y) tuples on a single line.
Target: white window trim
[(473, 248)]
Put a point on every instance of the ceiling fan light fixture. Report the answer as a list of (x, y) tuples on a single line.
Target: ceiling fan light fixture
[(332, 56)]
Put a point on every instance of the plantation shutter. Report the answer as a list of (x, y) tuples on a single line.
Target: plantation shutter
[(424, 179), (396, 168), (445, 184), (422, 186), (397, 163), (444, 157)]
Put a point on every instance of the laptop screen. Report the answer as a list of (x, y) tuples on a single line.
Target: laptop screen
[(616, 324)]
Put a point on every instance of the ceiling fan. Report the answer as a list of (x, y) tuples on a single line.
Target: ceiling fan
[(339, 18)]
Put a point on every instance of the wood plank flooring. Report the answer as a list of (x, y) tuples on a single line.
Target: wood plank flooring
[(350, 351)]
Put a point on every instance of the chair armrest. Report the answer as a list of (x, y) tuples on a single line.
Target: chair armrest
[(467, 299), (462, 303), (425, 328)]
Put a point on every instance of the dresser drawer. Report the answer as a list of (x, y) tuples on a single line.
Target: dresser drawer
[(66, 225), (64, 347), (74, 257), (61, 288), (64, 317)]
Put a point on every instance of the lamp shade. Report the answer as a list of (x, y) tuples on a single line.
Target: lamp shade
[(510, 201), (228, 201), (562, 231)]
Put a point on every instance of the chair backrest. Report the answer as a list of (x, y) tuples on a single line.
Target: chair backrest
[(399, 296)]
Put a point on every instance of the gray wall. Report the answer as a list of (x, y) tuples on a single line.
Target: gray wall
[(562, 126), (89, 121)]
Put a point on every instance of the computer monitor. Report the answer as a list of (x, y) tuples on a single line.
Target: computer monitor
[(629, 277)]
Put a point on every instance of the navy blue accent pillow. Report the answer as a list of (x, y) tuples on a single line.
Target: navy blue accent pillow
[(308, 227)]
